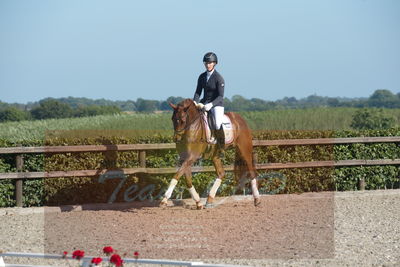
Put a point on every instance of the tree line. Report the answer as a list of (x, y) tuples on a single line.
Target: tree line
[(81, 107), (53, 109)]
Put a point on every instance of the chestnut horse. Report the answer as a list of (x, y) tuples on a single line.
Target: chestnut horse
[(190, 138)]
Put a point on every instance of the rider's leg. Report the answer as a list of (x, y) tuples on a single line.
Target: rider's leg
[(218, 113)]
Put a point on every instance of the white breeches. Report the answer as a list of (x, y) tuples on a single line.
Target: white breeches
[(218, 113)]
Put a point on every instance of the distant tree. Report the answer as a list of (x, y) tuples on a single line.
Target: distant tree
[(95, 110), (384, 98), (227, 104), (285, 102), (368, 119), (3, 105), (333, 102), (291, 100), (101, 102), (128, 105), (144, 105), (13, 114), (51, 108), (258, 104), (175, 99), (172, 99), (315, 101), (239, 103)]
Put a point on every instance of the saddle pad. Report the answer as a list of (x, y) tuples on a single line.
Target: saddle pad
[(226, 125)]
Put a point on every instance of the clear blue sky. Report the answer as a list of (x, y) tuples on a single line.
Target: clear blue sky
[(153, 49)]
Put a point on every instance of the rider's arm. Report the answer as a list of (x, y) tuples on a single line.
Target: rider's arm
[(199, 88), (220, 90)]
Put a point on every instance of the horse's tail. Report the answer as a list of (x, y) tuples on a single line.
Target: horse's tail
[(240, 167), (244, 165)]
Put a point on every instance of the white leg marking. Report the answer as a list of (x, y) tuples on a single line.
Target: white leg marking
[(254, 188), (215, 187), (171, 187), (194, 194)]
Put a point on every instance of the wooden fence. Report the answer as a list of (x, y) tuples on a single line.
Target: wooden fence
[(142, 148)]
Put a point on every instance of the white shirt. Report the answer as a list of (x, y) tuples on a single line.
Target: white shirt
[(209, 73)]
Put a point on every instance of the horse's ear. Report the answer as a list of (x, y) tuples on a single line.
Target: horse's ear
[(172, 105)]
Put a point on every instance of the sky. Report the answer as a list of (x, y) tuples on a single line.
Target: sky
[(153, 49)]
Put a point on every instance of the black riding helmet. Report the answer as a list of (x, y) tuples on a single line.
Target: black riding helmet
[(210, 57)]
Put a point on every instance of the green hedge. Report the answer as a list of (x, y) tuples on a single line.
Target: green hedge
[(376, 177), (38, 192)]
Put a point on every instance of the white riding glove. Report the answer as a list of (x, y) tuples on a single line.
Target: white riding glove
[(198, 105), (208, 106)]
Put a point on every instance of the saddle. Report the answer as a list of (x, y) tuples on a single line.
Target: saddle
[(208, 121)]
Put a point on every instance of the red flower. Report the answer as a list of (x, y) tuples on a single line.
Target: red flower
[(136, 255), (116, 259), (97, 261), (78, 254), (108, 250), (64, 254)]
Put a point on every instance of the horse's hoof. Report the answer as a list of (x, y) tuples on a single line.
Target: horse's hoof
[(209, 205), (210, 202), (199, 206), (163, 203), (257, 202)]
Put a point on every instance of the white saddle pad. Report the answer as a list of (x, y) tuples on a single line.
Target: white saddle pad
[(226, 125)]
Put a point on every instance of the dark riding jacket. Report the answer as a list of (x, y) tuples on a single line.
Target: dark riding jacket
[(213, 89)]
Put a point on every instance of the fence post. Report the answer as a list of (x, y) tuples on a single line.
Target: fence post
[(142, 164), (142, 158), (361, 183), (255, 158), (18, 184)]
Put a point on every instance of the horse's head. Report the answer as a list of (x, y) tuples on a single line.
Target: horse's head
[(181, 117)]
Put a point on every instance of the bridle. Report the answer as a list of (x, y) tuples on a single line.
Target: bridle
[(187, 126)]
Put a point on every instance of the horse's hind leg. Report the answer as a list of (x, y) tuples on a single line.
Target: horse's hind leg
[(221, 174), (246, 153)]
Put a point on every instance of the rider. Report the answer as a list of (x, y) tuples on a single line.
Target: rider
[(213, 99)]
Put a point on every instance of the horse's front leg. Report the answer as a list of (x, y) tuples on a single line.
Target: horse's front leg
[(192, 190), (182, 170)]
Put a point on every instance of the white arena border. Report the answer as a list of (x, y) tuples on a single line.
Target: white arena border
[(86, 260)]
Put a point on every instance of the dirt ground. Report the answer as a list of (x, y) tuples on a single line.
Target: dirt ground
[(311, 229), (291, 226)]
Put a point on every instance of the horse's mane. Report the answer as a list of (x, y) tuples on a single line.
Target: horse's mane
[(186, 103), (189, 106)]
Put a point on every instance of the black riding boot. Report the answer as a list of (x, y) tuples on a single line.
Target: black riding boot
[(220, 136)]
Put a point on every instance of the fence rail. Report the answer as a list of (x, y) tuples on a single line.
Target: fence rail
[(85, 261), (142, 148)]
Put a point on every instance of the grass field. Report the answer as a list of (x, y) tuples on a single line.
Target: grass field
[(285, 119)]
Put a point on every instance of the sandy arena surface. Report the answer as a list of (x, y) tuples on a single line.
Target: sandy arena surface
[(312, 229)]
